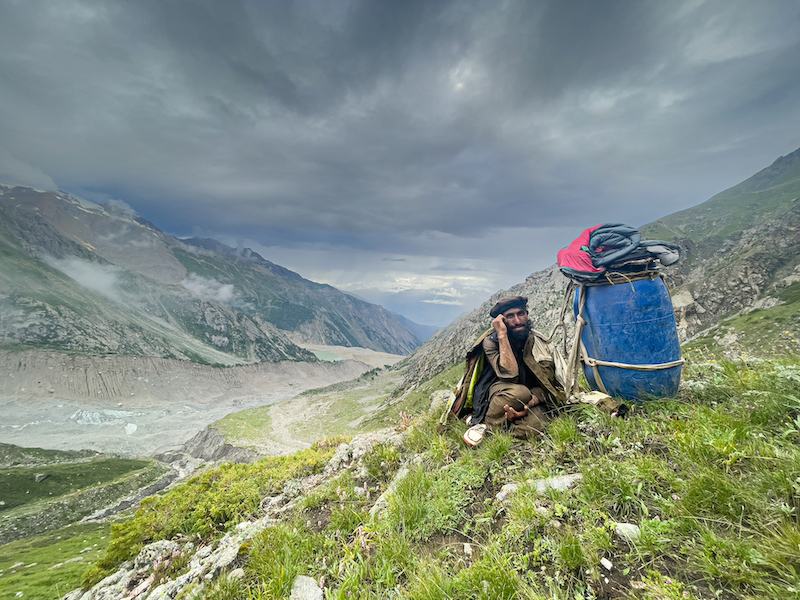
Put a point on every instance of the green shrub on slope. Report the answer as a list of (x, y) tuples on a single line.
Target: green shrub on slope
[(206, 505)]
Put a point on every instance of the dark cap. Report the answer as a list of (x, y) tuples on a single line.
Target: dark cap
[(507, 304)]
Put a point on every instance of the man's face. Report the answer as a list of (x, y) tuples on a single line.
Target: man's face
[(517, 322)]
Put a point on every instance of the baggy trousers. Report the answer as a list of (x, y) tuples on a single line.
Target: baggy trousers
[(516, 396)]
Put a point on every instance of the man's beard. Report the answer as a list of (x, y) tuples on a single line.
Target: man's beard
[(519, 335)]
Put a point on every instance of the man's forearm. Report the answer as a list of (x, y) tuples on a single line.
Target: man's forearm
[(507, 360)]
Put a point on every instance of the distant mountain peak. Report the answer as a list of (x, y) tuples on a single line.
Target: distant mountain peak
[(245, 253)]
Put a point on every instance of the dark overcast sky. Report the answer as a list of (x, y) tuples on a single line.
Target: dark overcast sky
[(422, 154)]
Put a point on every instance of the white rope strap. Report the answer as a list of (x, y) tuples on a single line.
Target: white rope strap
[(594, 362), (585, 360)]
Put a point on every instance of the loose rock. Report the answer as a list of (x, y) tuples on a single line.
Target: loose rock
[(560, 483), (628, 532), (305, 588)]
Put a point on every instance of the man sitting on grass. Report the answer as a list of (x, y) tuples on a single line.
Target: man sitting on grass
[(509, 395)]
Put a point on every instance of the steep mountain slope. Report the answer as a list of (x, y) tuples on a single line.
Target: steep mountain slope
[(766, 195), (741, 248), (79, 305), (740, 252), (307, 312), (81, 277)]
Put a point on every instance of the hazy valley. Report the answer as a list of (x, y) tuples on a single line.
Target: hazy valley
[(118, 337)]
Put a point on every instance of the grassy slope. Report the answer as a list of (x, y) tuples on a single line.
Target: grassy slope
[(53, 563), (71, 491), (365, 404), (18, 487), (331, 411), (711, 479), (45, 573), (16, 456)]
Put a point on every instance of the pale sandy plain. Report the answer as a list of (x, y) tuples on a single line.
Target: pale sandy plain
[(140, 406)]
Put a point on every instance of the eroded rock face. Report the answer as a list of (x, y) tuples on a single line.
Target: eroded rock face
[(688, 313), (721, 277), (210, 445), (134, 380)]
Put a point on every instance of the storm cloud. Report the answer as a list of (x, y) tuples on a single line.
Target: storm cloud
[(433, 151)]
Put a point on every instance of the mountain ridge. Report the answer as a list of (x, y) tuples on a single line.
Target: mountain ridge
[(757, 198), (218, 305)]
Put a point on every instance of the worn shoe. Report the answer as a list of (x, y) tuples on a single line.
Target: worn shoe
[(474, 435)]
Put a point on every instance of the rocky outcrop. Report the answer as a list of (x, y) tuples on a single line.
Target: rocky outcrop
[(722, 277), (210, 445)]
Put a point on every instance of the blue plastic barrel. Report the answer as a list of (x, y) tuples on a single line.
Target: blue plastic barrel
[(631, 323)]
